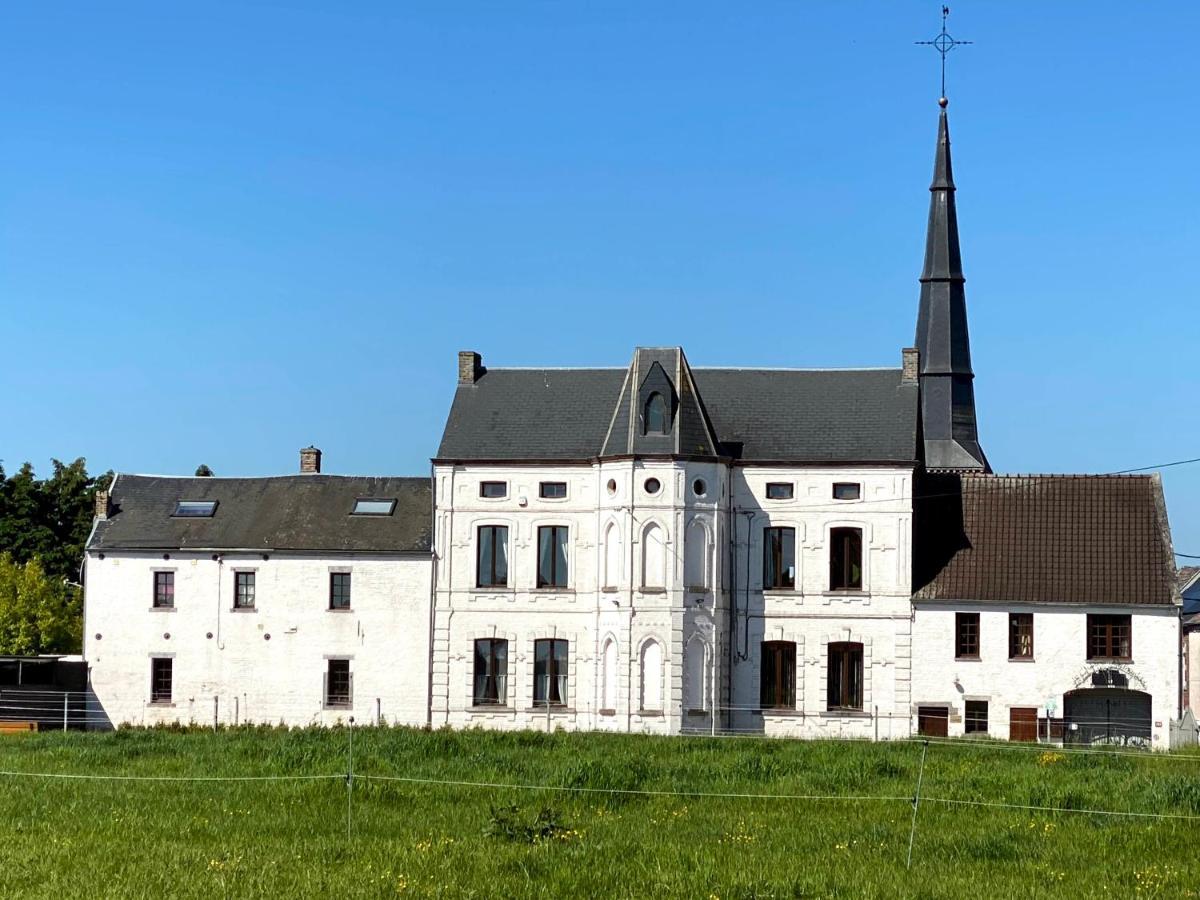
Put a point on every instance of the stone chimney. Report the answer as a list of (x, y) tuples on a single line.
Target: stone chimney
[(101, 504), (470, 366), (310, 461), (910, 365)]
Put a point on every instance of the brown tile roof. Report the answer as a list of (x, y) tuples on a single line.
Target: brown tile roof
[(1044, 539)]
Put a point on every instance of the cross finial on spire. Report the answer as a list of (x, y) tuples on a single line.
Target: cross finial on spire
[(943, 43)]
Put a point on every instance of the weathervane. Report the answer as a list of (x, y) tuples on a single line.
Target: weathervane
[(943, 43)]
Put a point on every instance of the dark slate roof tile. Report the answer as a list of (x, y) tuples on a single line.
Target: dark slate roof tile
[(291, 512)]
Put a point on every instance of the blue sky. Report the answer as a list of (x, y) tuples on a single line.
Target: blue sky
[(230, 230)]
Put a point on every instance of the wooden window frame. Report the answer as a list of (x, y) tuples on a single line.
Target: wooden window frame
[(972, 718), (485, 485), (845, 658), (494, 675), (780, 490), (558, 670), (163, 599), (162, 689), (841, 578), (553, 584), (490, 581), (774, 543), (1104, 626), (341, 700), (966, 635), (340, 585), (546, 487), (245, 584), (777, 678), (857, 485), (665, 424), (1020, 625)]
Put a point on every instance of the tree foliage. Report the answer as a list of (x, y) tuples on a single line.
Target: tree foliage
[(39, 613), (203, 471), (49, 519)]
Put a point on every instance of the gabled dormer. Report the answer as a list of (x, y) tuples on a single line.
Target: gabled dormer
[(659, 411)]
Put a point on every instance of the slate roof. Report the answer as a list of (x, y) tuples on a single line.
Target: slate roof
[(1092, 539), (1189, 587), (291, 512), (758, 415)]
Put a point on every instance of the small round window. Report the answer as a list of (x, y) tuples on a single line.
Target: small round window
[(652, 485), (612, 486), (699, 488)]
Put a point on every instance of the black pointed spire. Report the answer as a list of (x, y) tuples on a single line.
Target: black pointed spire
[(947, 393)]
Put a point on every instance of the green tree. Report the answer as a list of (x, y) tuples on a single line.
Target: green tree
[(39, 613), (203, 471)]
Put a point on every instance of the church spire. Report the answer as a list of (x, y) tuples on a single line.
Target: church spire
[(947, 393)]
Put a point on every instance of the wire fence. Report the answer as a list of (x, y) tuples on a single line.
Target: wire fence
[(355, 775)]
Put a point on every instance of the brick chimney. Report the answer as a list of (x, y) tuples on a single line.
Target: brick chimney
[(910, 365), (470, 366), (310, 461), (101, 504)]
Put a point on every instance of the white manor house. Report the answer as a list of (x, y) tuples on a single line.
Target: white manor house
[(660, 548)]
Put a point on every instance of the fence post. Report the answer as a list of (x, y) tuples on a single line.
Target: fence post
[(66, 709), (350, 779), (916, 803), (216, 701)]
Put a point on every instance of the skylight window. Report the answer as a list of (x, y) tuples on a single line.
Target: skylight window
[(195, 509), (373, 507)]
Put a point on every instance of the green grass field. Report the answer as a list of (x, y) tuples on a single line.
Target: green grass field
[(75, 837)]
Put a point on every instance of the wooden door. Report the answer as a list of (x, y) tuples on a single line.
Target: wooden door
[(1022, 723), (933, 721)]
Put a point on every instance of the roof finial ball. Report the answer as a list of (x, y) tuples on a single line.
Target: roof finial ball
[(943, 102)]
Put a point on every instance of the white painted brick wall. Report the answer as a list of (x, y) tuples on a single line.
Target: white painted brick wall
[(385, 634)]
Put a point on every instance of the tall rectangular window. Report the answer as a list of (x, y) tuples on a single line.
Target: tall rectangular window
[(1110, 637), (339, 684), (777, 685), (844, 678), (243, 590), (966, 635), (845, 559), (552, 556), (161, 677), (491, 672), (976, 719), (779, 558), (164, 590), (549, 673), (1020, 635), (552, 490), (339, 590), (491, 556)]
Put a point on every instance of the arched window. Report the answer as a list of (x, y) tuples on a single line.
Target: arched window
[(654, 557), (655, 418), (696, 554), (609, 676), (695, 663), (612, 556), (652, 677)]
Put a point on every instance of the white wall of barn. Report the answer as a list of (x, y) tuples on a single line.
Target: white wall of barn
[(1059, 663), (266, 665)]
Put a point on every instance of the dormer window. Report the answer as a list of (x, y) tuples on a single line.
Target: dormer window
[(195, 509), (371, 506), (655, 419)]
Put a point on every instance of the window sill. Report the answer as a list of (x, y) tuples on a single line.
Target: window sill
[(697, 712), (608, 712), (162, 704), (244, 609), (553, 710), (485, 708), (609, 590), (850, 593), (1110, 660), (844, 714), (162, 609), (339, 609), (781, 592), (652, 590), (1021, 659), (651, 713), (786, 712), (966, 658), (492, 589), (338, 707), (553, 590)]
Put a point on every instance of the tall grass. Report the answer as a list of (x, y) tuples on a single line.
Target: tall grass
[(595, 835)]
